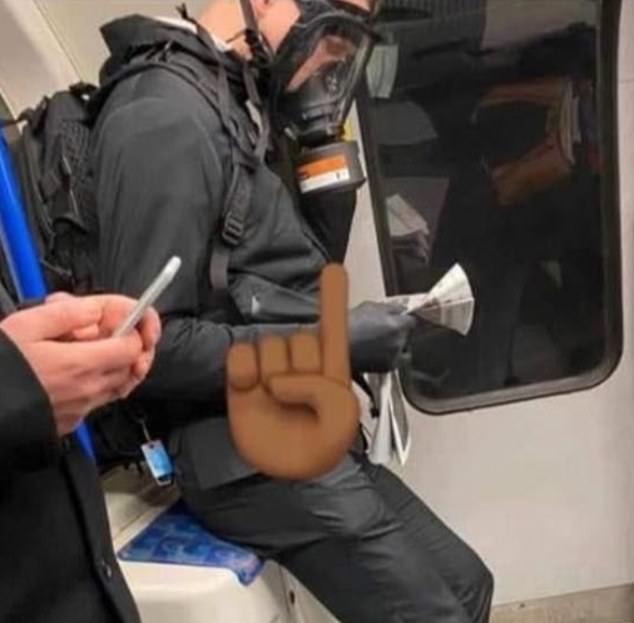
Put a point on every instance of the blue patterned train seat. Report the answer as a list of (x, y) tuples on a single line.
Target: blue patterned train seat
[(176, 537)]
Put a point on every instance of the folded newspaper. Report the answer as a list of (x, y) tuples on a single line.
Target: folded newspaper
[(450, 304)]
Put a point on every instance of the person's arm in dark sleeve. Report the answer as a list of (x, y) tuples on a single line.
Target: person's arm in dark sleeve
[(330, 215), (160, 185), (27, 429)]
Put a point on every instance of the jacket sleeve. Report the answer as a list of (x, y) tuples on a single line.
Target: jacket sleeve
[(159, 192), (330, 215), (27, 429)]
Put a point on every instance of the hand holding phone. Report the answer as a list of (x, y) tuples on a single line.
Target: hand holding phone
[(148, 298)]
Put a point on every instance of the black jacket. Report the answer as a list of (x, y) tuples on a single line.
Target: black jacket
[(57, 558), (162, 162)]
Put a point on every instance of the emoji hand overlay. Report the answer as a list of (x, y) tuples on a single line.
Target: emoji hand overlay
[(292, 411)]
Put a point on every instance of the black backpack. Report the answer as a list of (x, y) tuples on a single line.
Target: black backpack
[(50, 155), (52, 158)]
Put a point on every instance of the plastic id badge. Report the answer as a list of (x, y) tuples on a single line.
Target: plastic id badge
[(159, 462)]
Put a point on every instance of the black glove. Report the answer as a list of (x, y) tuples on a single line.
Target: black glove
[(378, 333)]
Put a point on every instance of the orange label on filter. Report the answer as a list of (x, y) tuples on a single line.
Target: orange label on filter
[(320, 167), (322, 173)]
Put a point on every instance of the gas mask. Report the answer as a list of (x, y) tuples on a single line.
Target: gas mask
[(311, 82)]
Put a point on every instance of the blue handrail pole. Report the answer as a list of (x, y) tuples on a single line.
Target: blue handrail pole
[(19, 249)]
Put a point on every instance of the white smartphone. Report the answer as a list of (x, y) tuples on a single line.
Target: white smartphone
[(148, 298)]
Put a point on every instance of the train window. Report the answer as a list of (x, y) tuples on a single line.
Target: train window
[(489, 134)]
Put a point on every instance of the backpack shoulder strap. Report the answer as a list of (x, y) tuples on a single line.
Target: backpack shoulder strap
[(238, 197), (229, 234), (244, 156), (245, 159)]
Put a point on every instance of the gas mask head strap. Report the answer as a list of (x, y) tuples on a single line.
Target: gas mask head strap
[(261, 52), (223, 93), (223, 82)]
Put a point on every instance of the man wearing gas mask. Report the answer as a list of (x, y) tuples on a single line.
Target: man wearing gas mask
[(193, 158)]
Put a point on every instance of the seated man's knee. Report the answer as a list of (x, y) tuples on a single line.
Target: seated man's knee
[(487, 582), (481, 585)]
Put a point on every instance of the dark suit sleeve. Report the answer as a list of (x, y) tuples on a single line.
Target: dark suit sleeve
[(160, 184), (27, 429)]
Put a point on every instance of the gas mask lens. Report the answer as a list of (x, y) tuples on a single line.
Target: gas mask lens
[(330, 59), (316, 72), (319, 92)]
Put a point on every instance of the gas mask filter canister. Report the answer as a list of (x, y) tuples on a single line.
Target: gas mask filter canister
[(312, 79)]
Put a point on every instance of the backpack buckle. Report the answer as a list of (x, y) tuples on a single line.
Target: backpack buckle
[(65, 167), (82, 90), (232, 230), (65, 206), (73, 214)]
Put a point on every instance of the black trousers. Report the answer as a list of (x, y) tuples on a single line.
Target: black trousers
[(359, 540)]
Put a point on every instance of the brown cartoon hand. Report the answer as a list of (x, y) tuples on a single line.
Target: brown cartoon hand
[(292, 411)]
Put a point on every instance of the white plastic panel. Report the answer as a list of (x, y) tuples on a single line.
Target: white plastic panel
[(76, 25), (32, 62), (362, 259), (166, 593), (626, 56)]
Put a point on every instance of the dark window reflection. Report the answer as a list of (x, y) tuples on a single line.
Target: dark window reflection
[(482, 124)]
